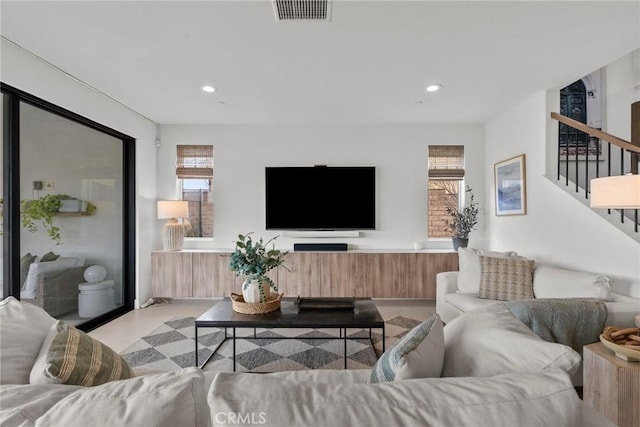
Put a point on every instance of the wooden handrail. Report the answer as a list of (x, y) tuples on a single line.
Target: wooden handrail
[(626, 145)]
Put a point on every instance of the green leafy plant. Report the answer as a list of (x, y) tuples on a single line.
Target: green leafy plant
[(461, 222), (40, 212), (254, 260)]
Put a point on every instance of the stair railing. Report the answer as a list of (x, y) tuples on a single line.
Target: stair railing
[(579, 131)]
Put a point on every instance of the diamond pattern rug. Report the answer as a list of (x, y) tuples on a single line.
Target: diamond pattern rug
[(171, 346)]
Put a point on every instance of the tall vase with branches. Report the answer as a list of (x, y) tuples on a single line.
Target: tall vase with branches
[(462, 221)]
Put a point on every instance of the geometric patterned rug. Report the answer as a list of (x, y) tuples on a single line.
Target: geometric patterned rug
[(171, 346)]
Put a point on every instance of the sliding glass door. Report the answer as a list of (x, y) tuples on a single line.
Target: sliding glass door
[(68, 244)]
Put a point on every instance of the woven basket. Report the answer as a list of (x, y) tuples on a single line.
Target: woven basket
[(238, 305)]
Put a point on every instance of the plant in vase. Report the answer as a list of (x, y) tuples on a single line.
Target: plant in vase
[(35, 213), (254, 260), (461, 222)]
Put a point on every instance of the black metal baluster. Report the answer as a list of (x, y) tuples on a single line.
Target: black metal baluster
[(586, 168), (635, 162), (577, 163), (621, 173), (559, 146), (609, 166), (566, 161), (598, 148)]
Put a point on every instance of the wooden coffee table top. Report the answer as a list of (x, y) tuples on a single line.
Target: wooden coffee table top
[(364, 315)]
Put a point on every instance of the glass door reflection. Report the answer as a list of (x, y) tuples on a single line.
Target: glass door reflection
[(71, 192)]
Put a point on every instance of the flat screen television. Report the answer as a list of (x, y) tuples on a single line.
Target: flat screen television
[(320, 198)]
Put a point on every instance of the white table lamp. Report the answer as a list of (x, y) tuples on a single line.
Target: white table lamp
[(173, 231)]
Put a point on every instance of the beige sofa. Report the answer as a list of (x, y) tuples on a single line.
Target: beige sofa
[(495, 372), (457, 291)]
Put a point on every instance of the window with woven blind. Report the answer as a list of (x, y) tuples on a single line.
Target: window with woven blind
[(194, 161), (446, 161), (446, 179), (194, 171)]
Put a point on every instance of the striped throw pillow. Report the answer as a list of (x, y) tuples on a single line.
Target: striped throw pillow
[(419, 354), (69, 356)]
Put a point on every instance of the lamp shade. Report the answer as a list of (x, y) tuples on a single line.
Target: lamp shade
[(616, 192), (173, 209)]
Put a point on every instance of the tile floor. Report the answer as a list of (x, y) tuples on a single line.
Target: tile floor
[(125, 330)]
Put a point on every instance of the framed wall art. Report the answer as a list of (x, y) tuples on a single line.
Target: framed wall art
[(510, 186)]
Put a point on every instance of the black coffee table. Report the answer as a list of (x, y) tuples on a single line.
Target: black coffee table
[(365, 315)]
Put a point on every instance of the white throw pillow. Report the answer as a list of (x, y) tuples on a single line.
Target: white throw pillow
[(491, 341), (469, 267), (175, 398), (23, 327), (552, 282), (418, 354)]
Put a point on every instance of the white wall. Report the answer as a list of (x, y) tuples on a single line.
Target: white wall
[(25, 72), (557, 229), (399, 154)]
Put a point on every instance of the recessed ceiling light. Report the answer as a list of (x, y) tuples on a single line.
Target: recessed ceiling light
[(434, 88), (208, 89)]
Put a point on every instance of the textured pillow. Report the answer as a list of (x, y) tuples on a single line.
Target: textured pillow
[(551, 282), (69, 356), (49, 256), (25, 264), (23, 327), (177, 398), (418, 354), (506, 278), (469, 266), (490, 341)]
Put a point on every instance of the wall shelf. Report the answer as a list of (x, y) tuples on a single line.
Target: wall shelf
[(72, 214)]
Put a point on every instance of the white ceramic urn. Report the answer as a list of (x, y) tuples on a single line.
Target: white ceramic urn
[(251, 290)]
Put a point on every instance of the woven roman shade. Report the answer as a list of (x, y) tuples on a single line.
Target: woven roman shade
[(446, 161), (194, 161)]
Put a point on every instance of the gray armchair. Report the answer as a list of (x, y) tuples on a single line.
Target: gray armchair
[(57, 291)]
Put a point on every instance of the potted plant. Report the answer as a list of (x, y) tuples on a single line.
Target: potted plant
[(36, 213), (461, 222), (254, 260)]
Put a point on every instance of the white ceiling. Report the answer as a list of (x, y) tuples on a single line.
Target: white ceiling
[(370, 64)]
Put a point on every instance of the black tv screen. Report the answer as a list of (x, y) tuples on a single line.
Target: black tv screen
[(320, 198)]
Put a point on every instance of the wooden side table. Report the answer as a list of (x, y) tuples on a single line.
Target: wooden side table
[(611, 385)]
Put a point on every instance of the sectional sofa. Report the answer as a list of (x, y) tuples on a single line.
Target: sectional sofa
[(493, 371), (458, 291)]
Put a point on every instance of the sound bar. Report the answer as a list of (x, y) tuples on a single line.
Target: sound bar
[(298, 247)]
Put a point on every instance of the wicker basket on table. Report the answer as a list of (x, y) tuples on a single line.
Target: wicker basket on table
[(240, 306)]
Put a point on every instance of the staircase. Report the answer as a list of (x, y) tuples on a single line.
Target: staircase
[(585, 153)]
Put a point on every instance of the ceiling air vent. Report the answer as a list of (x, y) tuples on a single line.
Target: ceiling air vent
[(302, 10)]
